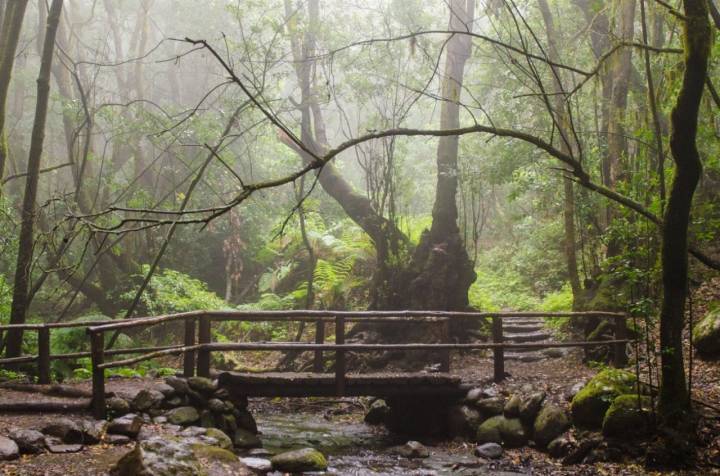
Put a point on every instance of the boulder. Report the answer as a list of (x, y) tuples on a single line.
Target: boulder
[(259, 465), (489, 451), (490, 406), (506, 431), (411, 449), (162, 456), (530, 407), (165, 389), (29, 441), (244, 439), (628, 417), (216, 405), (512, 407), (8, 449), (203, 385), (551, 422), (706, 334), (147, 399), (182, 416), (463, 420), (65, 429), (246, 421), (180, 385), (559, 447), (298, 461), (92, 431), (128, 425), (227, 423), (223, 441), (207, 420), (377, 413), (588, 407), (116, 439), (118, 406)]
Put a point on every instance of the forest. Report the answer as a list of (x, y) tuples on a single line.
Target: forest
[(413, 237)]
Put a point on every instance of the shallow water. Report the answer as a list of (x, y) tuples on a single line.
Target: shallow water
[(354, 448)]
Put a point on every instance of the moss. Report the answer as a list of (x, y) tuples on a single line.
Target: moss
[(590, 404), (306, 459), (203, 451), (706, 334), (625, 420), (498, 429), (550, 423)]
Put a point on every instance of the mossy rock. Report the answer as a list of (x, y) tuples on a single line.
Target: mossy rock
[(202, 451), (245, 440), (589, 405), (223, 440), (625, 420), (706, 334), (507, 431), (550, 423), (183, 416), (298, 461)]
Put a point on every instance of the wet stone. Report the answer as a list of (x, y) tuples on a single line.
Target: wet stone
[(29, 441), (8, 449), (261, 465), (128, 425), (489, 451), (412, 449)]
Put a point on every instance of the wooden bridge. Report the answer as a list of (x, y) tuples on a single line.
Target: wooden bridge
[(198, 346)]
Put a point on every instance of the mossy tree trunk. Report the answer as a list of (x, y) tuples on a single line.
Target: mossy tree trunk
[(674, 401)]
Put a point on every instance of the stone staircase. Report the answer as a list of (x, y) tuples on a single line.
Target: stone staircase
[(522, 330)]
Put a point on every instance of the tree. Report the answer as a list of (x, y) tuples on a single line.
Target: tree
[(19, 308), (674, 401)]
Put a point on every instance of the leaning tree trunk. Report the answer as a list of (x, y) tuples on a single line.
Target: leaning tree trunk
[(674, 401), (12, 24), (19, 306), (443, 271)]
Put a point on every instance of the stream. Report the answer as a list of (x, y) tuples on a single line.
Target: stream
[(355, 448)]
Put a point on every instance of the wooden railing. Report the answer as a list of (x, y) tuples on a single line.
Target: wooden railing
[(197, 343)]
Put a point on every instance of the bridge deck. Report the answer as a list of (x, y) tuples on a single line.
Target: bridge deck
[(323, 385)]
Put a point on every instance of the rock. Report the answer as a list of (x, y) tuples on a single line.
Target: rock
[(193, 431), (244, 439), (490, 406), (377, 413), (506, 431), (180, 385), (207, 420), (29, 441), (553, 353), (628, 417), (183, 416), (260, 465), (92, 431), (221, 394), (463, 420), (216, 405), (411, 449), (118, 406), (145, 433), (227, 423), (9, 450), (298, 461), (590, 404), (551, 422), (560, 447), (175, 401), (489, 451), (162, 456), (147, 399), (474, 394), (531, 406), (246, 421), (65, 429), (128, 425), (583, 448), (512, 407), (117, 439), (223, 441), (259, 452), (572, 391), (159, 420), (165, 389), (63, 449), (203, 385), (706, 334)]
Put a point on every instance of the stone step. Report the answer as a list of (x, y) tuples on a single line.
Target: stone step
[(525, 356), (524, 320), (521, 327), (527, 337)]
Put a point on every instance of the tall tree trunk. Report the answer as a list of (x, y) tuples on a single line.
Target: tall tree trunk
[(19, 306), (9, 36), (567, 141), (674, 400), (444, 271)]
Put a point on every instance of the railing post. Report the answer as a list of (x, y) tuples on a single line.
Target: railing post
[(204, 337), (445, 339), (97, 354), (620, 358), (498, 352), (318, 364), (189, 356), (340, 356), (44, 355)]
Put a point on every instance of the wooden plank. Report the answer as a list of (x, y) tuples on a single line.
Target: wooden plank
[(173, 350), (620, 358), (97, 349), (498, 352), (189, 356), (19, 360), (340, 356), (445, 353), (318, 363), (43, 355), (204, 337), (52, 406)]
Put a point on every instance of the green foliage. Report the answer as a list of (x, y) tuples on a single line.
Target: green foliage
[(5, 300)]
